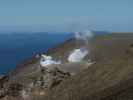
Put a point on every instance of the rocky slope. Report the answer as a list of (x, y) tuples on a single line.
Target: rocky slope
[(109, 79)]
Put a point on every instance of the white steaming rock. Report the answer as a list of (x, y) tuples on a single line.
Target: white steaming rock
[(47, 60), (45, 57), (78, 55)]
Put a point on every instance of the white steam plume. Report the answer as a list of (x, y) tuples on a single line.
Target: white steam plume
[(84, 36)]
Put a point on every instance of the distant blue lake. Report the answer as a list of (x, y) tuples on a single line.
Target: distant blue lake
[(16, 47)]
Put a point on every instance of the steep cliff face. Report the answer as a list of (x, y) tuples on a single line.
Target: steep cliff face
[(109, 79)]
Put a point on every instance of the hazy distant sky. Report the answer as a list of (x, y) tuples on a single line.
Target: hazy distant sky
[(66, 15)]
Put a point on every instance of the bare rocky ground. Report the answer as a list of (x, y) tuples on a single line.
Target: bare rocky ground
[(111, 78)]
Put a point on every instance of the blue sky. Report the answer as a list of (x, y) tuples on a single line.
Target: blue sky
[(66, 15)]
